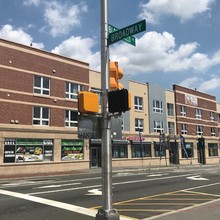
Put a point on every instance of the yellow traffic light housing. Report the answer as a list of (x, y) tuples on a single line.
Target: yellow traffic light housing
[(116, 74), (88, 102)]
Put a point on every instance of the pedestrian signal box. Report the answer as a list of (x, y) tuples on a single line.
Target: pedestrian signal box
[(88, 102), (119, 101)]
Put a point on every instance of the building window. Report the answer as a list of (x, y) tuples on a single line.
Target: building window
[(138, 103), (41, 116), (189, 150), (213, 149), (157, 106), (159, 126), (218, 118), (159, 150), (41, 85), (170, 109), (184, 129), (212, 131), (171, 128), (212, 116), (199, 130), (138, 150), (119, 151), (198, 113), (139, 124), (183, 110), (71, 118), (72, 90)]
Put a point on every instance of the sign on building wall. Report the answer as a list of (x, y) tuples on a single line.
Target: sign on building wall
[(191, 100)]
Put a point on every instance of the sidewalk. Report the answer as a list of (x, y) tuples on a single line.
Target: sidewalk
[(114, 170)]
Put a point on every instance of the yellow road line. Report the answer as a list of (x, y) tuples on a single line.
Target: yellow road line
[(177, 199), (145, 210), (145, 203)]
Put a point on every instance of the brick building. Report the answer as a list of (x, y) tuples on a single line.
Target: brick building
[(38, 110), (197, 117)]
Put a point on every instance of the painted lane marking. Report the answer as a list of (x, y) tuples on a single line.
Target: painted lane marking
[(196, 178), (114, 184), (181, 210), (94, 192), (49, 202), (57, 186)]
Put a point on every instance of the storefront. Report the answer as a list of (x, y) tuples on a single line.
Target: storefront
[(72, 150), (23, 150)]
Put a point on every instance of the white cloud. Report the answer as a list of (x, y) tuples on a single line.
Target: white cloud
[(156, 52), (184, 9), (191, 82), (31, 2), (62, 17), (80, 49), (210, 85), (18, 35)]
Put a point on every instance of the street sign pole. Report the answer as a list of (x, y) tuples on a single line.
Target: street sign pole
[(106, 212)]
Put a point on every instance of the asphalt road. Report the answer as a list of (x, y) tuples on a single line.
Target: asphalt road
[(136, 194)]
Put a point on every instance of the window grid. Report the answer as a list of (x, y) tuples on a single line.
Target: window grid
[(139, 125), (212, 116), (72, 90), (183, 110), (71, 118), (184, 128), (199, 130), (159, 126), (212, 131), (41, 85), (157, 106), (170, 109), (41, 116), (198, 113), (138, 103)]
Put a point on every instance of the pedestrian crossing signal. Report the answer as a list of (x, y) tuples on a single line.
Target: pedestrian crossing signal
[(119, 101)]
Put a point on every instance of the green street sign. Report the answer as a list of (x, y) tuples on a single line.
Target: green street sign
[(126, 32), (130, 39)]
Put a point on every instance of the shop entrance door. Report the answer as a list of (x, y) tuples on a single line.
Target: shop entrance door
[(174, 153), (95, 157), (201, 156)]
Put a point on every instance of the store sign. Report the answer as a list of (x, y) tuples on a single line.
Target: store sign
[(134, 138), (191, 100)]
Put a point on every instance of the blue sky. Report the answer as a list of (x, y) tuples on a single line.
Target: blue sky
[(180, 46)]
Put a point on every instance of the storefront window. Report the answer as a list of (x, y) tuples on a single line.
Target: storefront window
[(189, 150), (159, 150), (72, 149), (27, 150), (136, 150), (119, 151), (213, 149)]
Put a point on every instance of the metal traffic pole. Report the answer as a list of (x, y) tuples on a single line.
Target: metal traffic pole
[(106, 212)]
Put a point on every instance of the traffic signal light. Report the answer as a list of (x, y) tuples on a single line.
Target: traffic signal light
[(88, 102), (116, 74), (119, 101)]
